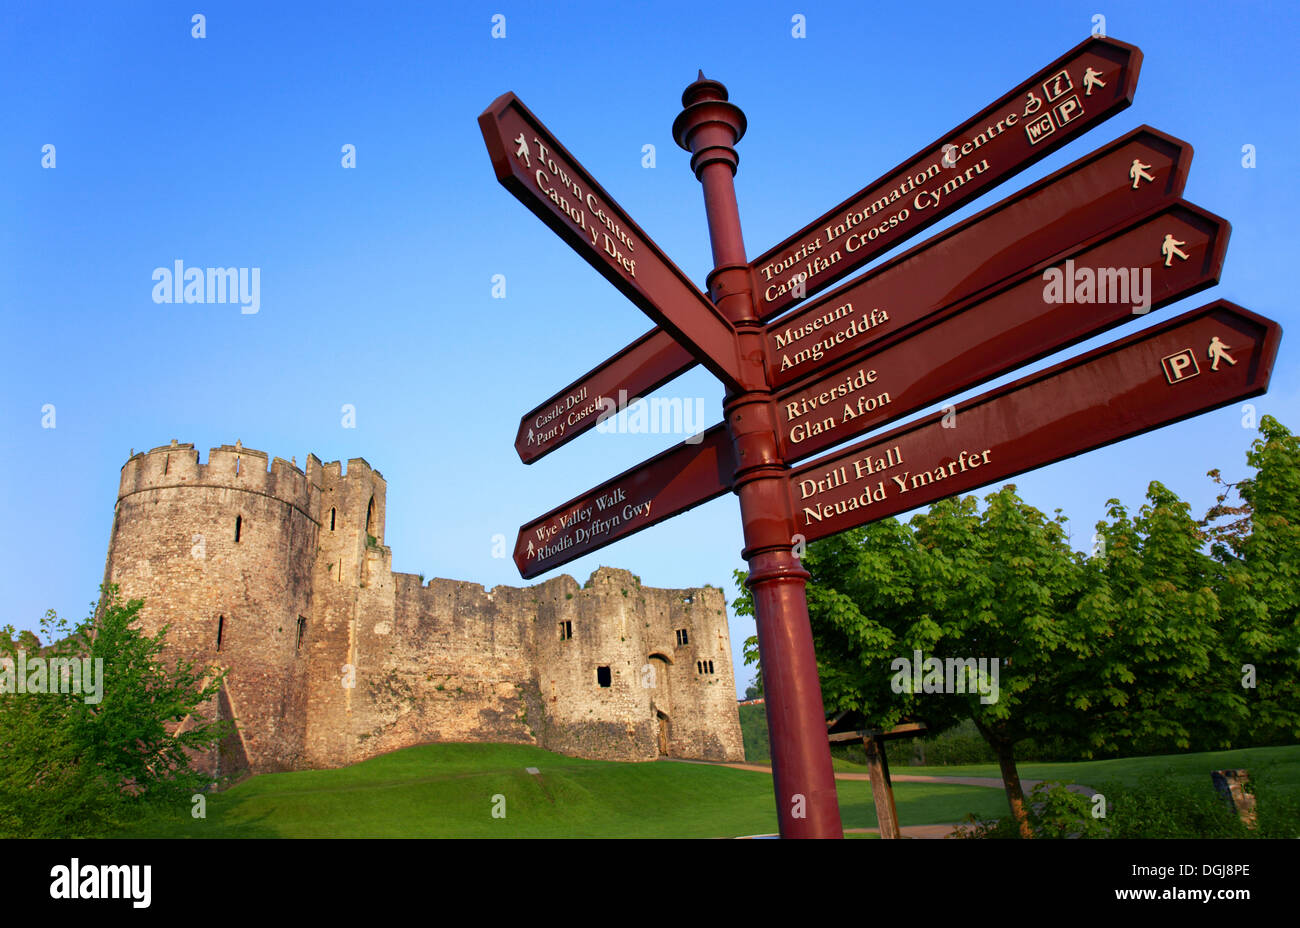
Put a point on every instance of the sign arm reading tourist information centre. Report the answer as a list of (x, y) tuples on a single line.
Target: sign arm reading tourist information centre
[(1100, 243)]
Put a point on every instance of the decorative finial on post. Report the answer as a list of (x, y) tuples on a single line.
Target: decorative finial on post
[(709, 126)]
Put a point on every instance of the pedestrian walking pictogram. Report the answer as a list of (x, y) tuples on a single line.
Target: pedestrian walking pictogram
[(1091, 79), (1219, 352), (1169, 248), (1139, 172)]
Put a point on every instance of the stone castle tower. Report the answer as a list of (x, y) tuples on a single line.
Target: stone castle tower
[(281, 577)]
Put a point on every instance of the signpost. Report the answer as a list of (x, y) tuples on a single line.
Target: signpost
[(656, 357), (1090, 247)]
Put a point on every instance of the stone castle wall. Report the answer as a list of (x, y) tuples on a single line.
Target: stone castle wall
[(331, 657)]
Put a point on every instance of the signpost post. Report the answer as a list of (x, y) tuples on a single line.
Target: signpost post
[(1090, 247)]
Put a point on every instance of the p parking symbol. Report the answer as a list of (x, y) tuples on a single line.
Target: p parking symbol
[(1180, 366)]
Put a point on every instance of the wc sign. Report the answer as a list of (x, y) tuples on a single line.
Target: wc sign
[(1180, 366)]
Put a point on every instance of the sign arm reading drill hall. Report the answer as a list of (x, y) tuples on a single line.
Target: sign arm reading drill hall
[(1096, 245)]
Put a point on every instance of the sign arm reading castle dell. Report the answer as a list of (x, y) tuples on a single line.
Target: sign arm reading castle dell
[(1098, 244)]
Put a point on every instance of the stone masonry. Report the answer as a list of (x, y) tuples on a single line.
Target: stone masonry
[(281, 578)]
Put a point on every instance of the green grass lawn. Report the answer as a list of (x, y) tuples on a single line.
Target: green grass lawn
[(1281, 765), (447, 790)]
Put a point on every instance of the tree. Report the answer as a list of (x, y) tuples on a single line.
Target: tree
[(83, 763), (863, 614), (1258, 559), (1160, 676), (1003, 585)]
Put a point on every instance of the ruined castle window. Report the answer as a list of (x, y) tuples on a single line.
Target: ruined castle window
[(221, 627), (602, 676), (681, 637), (239, 525), (331, 519), (704, 667), (688, 599), (566, 630), (370, 514), (302, 630)]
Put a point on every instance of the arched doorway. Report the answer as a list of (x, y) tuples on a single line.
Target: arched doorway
[(661, 701)]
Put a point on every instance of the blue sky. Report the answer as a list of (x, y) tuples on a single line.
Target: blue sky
[(376, 281)]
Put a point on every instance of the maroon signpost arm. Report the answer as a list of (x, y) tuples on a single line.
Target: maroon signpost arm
[(709, 127)]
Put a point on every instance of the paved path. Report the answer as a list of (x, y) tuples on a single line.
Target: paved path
[(909, 831)]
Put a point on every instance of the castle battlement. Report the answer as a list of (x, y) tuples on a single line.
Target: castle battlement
[(280, 574), (232, 467)]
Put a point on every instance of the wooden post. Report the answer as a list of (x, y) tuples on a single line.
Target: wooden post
[(882, 791)]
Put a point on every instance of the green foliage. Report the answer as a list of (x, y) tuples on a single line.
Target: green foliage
[(960, 745), (1259, 583), (1161, 806), (1054, 811), (71, 767), (753, 732)]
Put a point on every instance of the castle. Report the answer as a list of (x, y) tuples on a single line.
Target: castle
[(282, 578)]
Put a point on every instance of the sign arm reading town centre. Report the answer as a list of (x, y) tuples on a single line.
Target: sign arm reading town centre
[(1097, 244)]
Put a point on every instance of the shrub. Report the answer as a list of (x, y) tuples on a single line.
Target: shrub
[(1054, 812)]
